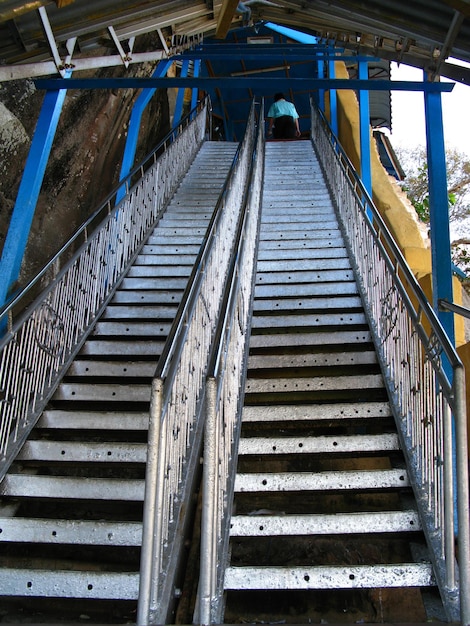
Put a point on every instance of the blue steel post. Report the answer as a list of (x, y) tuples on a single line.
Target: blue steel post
[(333, 99), (178, 114), (364, 126), (28, 193), (195, 90), (321, 74), (134, 127), (440, 241), (439, 210)]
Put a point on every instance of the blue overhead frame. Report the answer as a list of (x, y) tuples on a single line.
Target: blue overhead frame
[(30, 187), (134, 127)]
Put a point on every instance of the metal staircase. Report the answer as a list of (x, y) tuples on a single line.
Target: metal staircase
[(71, 509), (322, 495), (343, 507)]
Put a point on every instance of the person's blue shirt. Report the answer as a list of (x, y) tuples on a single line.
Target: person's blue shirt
[(282, 107)]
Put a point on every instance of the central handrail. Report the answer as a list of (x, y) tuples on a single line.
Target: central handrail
[(175, 429), (225, 384)]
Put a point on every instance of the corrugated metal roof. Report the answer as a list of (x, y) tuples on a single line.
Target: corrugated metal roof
[(423, 33)]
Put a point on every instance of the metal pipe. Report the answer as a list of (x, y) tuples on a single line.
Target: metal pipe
[(150, 497), (209, 494), (460, 418)]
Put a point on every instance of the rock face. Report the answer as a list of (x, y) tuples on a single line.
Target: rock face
[(85, 160)]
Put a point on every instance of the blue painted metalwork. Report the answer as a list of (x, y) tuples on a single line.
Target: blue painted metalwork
[(195, 92), (30, 186), (439, 210), (134, 126), (364, 129), (440, 238), (321, 92), (269, 85), (333, 99), (178, 112), (292, 34)]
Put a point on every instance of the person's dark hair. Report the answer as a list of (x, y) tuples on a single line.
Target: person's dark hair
[(278, 96)]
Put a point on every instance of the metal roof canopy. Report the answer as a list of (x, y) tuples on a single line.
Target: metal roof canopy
[(421, 33)]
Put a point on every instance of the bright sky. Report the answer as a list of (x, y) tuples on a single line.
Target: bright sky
[(408, 113)]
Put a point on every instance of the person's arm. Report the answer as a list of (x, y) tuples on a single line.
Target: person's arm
[(271, 123), (297, 129)]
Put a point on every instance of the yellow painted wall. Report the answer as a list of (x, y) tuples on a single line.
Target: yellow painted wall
[(399, 215), (394, 207)]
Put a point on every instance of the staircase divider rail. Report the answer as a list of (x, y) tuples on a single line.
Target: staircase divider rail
[(422, 370), (44, 332), (224, 400), (176, 424)]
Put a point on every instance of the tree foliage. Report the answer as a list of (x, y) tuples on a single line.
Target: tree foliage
[(414, 163)]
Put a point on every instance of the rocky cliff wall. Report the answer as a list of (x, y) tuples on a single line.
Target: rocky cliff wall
[(85, 160)]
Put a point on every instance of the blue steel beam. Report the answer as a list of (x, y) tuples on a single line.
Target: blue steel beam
[(295, 55), (243, 82), (30, 186), (296, 35), (134, 127)]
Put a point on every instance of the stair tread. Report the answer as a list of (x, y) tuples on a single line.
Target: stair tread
[(297, 319), (80, 488), (337, 337), (318, 444), (63, 531), (89, 452), (270, 524), (340, 411), (312, 359), (109, 369), (316, 481), (344, 303), (114, 392), (328, 577), (93, 420), (131, 328), (118, 347), (319, 383), (48, 583)]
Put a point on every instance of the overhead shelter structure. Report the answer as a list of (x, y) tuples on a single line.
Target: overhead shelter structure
[(247, 49), (334, 53)]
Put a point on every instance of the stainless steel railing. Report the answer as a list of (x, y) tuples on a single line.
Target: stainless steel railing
[(224, 402), (44, 334), (176, 425), (428, 402)]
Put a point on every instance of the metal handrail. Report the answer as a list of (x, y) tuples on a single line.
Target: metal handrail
[(175, 430), (422, 370), (90, 224), (225, 383), (455, 308), (40, 344)]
